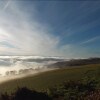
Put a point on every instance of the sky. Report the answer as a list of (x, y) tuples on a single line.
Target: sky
[(67, 28)]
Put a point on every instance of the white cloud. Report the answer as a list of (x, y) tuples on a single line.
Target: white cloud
[(7, 3), (91, 40), (21, 35), (28, 38)]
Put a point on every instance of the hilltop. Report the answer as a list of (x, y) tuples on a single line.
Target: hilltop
[(75, 62)]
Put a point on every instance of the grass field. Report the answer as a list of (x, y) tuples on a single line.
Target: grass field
[(47, 79)]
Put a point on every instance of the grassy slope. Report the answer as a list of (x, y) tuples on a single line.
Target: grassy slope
[(51, 78)]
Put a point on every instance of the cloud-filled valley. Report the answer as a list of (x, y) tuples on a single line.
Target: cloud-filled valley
[(12, 65)]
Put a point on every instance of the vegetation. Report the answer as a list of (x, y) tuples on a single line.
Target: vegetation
[(71, 90), (25, 94), (75, 83), (75, 62)]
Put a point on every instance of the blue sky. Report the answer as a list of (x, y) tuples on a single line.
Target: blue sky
[(50, 28)]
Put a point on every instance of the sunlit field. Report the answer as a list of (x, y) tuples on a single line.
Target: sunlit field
[(48, 79)]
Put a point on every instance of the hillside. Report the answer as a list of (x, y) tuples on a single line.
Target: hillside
[(47, 79), (75, 62)]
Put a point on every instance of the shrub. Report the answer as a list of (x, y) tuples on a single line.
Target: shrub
[(25, 94)]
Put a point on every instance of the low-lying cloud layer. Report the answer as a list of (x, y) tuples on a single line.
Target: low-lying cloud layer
[(21, 64)]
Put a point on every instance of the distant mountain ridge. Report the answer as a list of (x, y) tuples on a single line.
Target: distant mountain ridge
[(75, 62)]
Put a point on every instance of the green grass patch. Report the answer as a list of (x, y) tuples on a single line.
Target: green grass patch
[(49, 79)]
